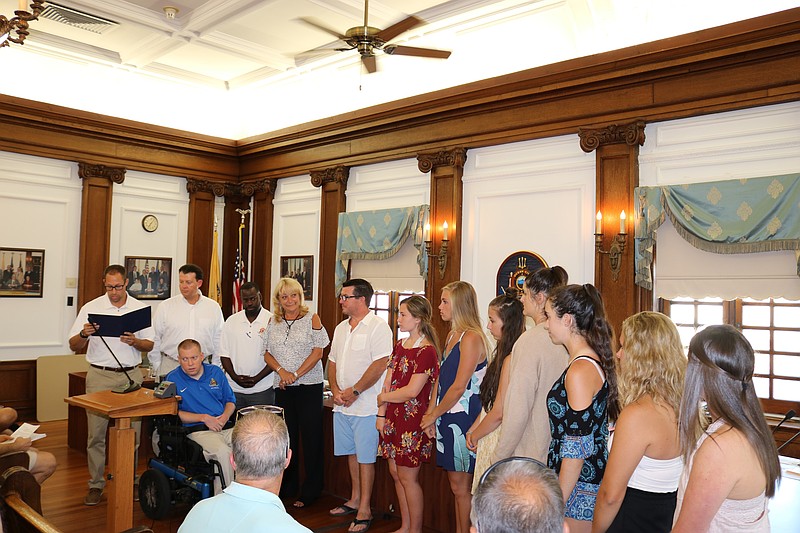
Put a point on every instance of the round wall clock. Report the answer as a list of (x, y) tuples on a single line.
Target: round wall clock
[(150, 223)]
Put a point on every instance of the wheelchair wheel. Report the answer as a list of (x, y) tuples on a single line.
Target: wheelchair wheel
[(154, 494)]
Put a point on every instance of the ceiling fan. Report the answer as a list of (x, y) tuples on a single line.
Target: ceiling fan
[(367, 40)]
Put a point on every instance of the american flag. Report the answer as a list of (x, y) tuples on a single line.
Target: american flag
[(238, 279)]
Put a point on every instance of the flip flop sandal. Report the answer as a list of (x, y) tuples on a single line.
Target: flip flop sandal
[(366, 522), (345, 510)]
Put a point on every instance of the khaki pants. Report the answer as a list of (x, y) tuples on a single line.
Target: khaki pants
[(217, 445), (99, 380)]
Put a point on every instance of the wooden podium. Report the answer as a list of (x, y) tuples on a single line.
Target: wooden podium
[(121, 408)]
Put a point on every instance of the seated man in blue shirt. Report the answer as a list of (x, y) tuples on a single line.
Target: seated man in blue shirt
[(251, 504), (206, 400)]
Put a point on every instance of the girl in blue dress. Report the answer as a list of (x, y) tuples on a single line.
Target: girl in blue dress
[(583, 399), (458, 393)]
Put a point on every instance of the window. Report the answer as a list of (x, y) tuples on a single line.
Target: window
[(386, 305), (773, 328)]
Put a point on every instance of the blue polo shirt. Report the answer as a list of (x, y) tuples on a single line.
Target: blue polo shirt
[(206, 395)]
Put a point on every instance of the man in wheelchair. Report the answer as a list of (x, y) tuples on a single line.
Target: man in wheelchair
[(206, 406)]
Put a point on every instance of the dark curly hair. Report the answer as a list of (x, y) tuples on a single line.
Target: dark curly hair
[(585, 305)]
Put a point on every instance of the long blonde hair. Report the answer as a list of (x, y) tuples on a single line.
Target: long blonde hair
[(654, 362), (464, 306), (288, 286)]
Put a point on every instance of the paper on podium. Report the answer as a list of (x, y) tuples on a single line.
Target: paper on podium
[(116, 325)]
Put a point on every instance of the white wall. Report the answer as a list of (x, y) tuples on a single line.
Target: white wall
[(295, 230), (751, 143), (40, 208), (385, 186), (163, 196), (535, 196)]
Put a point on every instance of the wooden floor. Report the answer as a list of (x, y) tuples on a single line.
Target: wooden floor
[(63, 493)]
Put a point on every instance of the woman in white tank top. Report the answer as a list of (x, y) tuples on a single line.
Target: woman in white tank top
[(732, 466), (638, 491)]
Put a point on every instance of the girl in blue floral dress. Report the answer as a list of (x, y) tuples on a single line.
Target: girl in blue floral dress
[(458, 396), (582, 400), (405, 397)]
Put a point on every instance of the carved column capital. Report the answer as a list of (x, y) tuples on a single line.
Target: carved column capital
[(455, 157), (194, 186), (114, 174), (338, 175), (631, 134), (250, 188)]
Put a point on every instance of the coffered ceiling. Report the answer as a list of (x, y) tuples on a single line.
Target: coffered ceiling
[(240, 68)]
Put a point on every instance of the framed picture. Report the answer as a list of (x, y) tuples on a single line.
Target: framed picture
[(301, 268), (23, 272), (149, 278)]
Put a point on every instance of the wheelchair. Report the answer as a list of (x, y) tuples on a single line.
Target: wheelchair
[(180, 472)]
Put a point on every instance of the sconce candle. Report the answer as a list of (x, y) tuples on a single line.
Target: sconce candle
[(22, 6), (426, 236), (444, 231), (622, 222), (598, 225)]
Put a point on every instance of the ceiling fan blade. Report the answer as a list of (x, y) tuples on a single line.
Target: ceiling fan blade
[(370, 64), (322, 27), (396, 29), (398, 50)]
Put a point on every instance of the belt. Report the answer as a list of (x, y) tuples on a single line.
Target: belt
[(113, 369)]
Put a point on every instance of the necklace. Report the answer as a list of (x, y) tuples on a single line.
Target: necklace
[(289, 324)]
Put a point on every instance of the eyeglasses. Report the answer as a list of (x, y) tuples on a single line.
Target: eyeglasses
[(344, 297), (274, 409), (509, 460), (110, 288)]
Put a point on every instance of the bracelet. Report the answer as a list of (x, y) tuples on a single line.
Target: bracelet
[(82, 336), (295, 374), (278, 369), (381, 416)]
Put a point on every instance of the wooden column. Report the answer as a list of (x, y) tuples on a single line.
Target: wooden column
[(334, 184), (201, 224), (617, 172), (234, 200), (95, 239), (263, 193), (447, 169)]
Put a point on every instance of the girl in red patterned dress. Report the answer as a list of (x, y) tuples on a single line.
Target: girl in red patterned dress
[(412, 371)]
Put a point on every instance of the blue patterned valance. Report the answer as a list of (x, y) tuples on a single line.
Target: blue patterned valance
[(724, 217), (378, 234)]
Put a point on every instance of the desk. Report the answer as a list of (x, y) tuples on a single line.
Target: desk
[(784, 511), (121, 408)]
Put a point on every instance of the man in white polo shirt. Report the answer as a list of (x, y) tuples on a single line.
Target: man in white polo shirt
[(242, 351), (104, 372), (360, 350), (188, 315)]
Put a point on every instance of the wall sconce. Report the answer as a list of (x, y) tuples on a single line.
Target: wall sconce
[(19, 22), (442, 255), (617, 245)]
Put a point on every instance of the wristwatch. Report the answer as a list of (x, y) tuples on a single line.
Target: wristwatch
[(355, 392)]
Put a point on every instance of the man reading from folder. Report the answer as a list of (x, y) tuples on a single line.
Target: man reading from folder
[(104, 372)]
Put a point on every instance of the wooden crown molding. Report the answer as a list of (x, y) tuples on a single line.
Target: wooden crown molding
[(194, 186), (113, 174), (338, 174), (631, 134), (428, 161)]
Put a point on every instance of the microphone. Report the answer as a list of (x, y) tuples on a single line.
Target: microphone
[(132, 385), (789, 415), (782, 446)]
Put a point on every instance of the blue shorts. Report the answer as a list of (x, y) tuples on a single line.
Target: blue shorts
[(355, 435)]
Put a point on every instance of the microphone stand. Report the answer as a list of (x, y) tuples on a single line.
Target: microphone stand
[(789, 415), (782, 446), (132, 385)]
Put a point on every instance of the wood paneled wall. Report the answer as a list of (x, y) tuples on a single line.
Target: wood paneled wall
[(19, 387)]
